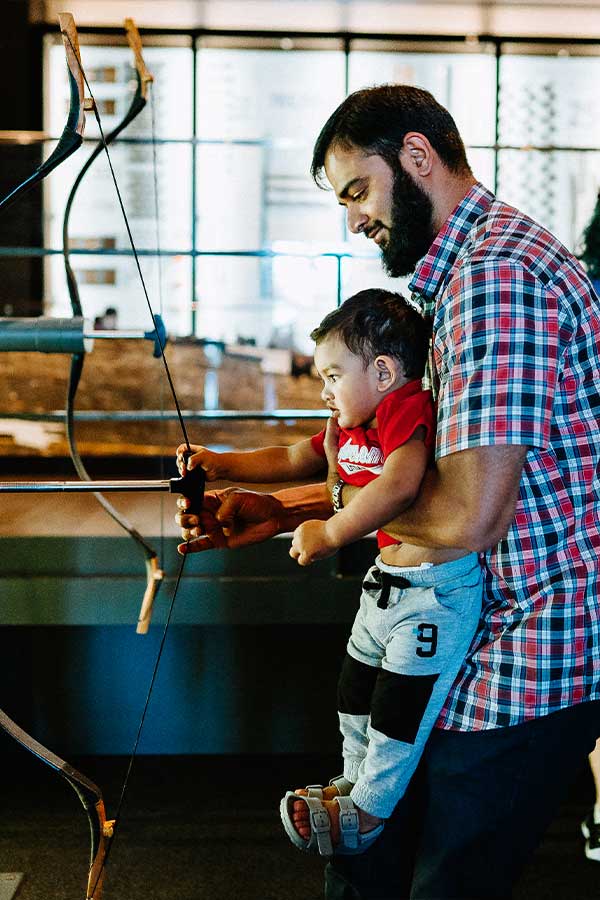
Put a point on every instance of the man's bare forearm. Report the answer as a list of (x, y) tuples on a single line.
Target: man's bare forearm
[(416, 525), (426, 523), (298, 504), (468, 500)]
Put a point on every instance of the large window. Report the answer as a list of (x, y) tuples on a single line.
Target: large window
[(153, 166), (216, 173), (259, 110), (549, 132)]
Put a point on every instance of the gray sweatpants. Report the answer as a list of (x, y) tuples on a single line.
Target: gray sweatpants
[(409, 638)]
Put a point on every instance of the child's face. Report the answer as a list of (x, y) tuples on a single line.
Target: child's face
[(349, 390)]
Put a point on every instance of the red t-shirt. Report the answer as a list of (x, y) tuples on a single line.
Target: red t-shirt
[(362, 451)]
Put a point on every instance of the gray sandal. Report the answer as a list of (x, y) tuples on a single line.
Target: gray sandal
[(351, 840), (342, 784)]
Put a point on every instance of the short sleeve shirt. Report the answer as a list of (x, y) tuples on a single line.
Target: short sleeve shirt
[(363, 451), (515, 356)]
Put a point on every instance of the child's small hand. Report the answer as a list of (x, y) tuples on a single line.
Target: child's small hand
[(211, 462), (310, 542)]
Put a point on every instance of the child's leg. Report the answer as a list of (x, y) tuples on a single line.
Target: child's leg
[(431, 625), (426, 629), (358, 676), (356, 683)]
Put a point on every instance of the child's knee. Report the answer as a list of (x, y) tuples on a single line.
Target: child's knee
[(355, 687), (399, 703)]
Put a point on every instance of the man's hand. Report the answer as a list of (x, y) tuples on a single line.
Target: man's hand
[(311, 541), (331, 442), (230, 518)]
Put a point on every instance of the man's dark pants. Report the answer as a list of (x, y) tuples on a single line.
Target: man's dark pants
[(476, 808)]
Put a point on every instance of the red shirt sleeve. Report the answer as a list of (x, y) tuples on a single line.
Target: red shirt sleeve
[(396, 423)]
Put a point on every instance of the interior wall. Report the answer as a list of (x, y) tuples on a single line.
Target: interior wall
[(250, 660), (578, 18)]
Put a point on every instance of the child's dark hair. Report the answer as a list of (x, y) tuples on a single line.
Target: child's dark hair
[(375, 322)]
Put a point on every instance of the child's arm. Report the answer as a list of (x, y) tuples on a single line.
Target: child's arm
[(373, 506), (268, 465)]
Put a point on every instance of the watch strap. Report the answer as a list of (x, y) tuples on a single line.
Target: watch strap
[(336, 496)]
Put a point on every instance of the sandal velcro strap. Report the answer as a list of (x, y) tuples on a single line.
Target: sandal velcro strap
[(342, 784), (320, 825), (314, 790), (348, 822)]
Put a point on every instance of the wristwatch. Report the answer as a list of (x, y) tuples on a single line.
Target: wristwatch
[(336, 496)]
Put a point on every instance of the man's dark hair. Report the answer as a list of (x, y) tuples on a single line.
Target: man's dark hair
[(376, 120), (377, 322)]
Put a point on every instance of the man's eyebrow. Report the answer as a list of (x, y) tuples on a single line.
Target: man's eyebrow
[(345, 192)]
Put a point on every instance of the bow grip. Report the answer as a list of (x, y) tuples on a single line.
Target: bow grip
[(158, 335), (190, 485)]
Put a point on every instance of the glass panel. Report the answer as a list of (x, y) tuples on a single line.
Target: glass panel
[(96, 222), (557, 189), (249, 198), (258, 114), (362, 272), (549, 100), (259, 94), (228, 300), (462, 82), (112, 79), (304, 291), (275, 102), (230, 197), (96, 212), (104, 229), (482, 164), (272, 302), (107, 282)]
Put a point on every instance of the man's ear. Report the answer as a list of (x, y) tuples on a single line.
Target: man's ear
[(388, 371), (416, 154)]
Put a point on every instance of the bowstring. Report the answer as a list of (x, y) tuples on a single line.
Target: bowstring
[(159, 266), (188, 445)]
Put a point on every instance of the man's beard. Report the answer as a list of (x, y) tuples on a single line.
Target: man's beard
[(411, 233)]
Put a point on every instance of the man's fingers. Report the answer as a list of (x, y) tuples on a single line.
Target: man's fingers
[(196, 546), (213, 541), (187, 521)]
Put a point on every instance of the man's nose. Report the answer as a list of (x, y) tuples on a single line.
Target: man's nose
[(357, 220), (325, 394)]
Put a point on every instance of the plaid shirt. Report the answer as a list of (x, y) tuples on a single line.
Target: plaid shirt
[(516, 347)]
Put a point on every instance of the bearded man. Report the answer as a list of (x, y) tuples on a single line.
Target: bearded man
[(514, 365)]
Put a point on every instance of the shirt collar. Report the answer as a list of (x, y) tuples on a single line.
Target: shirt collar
[(439, 259), (415, 386)]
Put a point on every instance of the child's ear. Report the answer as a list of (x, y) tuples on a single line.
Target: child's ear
[(388, 372)]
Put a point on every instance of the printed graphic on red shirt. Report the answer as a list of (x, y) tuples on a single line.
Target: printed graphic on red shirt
[(356, 456)]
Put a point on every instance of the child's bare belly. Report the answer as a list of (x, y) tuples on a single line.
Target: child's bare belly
[(410, 555)]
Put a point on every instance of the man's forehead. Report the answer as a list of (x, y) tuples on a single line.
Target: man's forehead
[(344, 158), (346, 165)]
